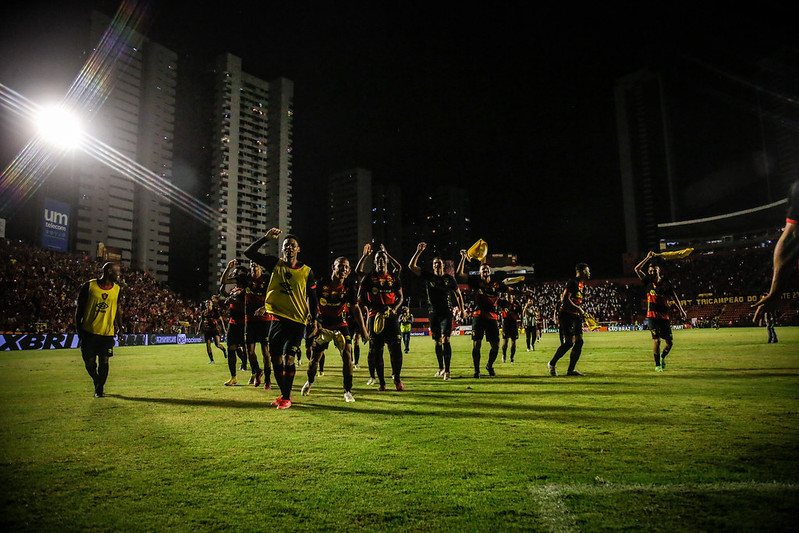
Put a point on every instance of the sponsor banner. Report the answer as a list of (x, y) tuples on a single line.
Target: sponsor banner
[(179, 338), (37, 342), (55, 226), (419, 333), (706, 299), (626, 328), (24, 341)]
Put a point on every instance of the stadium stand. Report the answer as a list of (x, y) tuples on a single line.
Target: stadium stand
[(39, 288)]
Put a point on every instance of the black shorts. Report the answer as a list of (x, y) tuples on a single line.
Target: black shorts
[(660, 328), (235, 334), (390, 333), (92, 345), (285, 337), (210, 334), (510, 330), (570, 325), (485, 327), (440, 325), (256, 331)]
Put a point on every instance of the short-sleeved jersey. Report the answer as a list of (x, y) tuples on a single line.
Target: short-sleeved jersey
[(288, 291), (486, 297), (657, 298), (793, 204), (511, 312), (255, 297), (211, 319), (100, 309), (236, 304), (440, 290), (336, 302), (380, 291), (574, 288)]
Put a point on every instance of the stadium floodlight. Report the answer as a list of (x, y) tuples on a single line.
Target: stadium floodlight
[(59, 127)]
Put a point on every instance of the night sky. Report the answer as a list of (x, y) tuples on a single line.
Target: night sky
[(510, 100)]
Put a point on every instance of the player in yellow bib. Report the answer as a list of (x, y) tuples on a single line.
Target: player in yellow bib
[(97, 320), (291, 298)]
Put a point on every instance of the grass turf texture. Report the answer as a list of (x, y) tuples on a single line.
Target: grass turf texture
[(709, 444)]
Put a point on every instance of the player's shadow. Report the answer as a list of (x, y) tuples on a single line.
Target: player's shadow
[(192, 401)]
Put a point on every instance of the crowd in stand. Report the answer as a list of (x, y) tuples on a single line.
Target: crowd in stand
[(39, 288)]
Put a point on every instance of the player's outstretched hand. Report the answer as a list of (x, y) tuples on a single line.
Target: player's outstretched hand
[(765, 304), (273, 233)]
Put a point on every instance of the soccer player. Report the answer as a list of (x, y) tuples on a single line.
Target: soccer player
[(486, 290), (97, 319), (511, 313), (786, 253), (210, 321), (256, 325), (570, 319), (237, 315), (291, 299), (338, 306), (440, 287), (381, 292), (659, 296), (530, 322)]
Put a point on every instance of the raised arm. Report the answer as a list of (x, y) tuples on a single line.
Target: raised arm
[(225, 279), (460, 274), (359, 268), (412, 264), (253, 254), (785, 253), (396, 264), (639, 268)]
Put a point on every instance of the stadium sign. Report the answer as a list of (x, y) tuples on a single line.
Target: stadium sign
[(24, 341), (55, 226), (37, 342)]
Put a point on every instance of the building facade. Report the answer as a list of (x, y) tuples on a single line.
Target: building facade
[(251, 156), (137, 120)]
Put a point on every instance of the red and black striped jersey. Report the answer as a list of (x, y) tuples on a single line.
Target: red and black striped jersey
[(574, 291), (657, 299), (380, 291), (486, 297), (336, 301)]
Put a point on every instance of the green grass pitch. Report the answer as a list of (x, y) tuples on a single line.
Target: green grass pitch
[(710, 444)]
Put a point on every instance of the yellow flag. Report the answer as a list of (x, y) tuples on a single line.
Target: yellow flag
[(676, 254), (591, 322), (511, 281), (479, 250)]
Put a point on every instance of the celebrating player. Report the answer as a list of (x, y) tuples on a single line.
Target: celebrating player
[(660, 294), (440, 287), (338, 305), (291, 299), (570, 318), (486, 291), (530, 322), (381, 292), (256, 325), (234, 299)]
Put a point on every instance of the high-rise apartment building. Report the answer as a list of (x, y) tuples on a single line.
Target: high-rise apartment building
[(446, 213), (137, 120), (349, 213), (251, 154)]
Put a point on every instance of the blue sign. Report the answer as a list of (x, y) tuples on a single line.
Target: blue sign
[(55, 228)]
